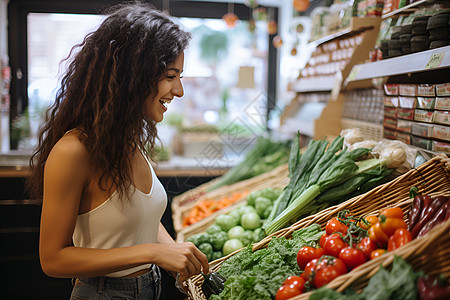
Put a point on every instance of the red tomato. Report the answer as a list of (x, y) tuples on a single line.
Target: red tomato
[(366, 245), (306, 254), (287, 291), (323, 239), (333, 245), (352, 257), (309, 268), (400, 237), (334, 225), (377, 253), (297, 281), (327, 270)]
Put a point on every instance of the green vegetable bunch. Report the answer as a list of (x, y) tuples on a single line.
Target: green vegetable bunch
[(238, 228), (258, 275), (263, 157)]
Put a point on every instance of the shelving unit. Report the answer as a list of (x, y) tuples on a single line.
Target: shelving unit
[(412, 63), (327, 122)]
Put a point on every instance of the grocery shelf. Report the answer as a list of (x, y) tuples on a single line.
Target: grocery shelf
[(412, 63), (314, 84), (406, 9)]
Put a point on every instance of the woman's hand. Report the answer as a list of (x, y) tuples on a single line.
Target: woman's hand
[(182, 258)]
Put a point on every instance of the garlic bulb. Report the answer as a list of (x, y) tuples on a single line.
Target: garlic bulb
[(395, 156)]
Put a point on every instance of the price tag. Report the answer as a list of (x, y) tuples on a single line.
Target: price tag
[(353, 73), (435, 60)]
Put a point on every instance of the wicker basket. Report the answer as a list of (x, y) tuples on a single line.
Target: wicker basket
[(429, 253), (277, 178)]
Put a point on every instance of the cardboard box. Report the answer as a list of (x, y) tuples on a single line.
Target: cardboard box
[(391, 89), (443, 89), (390, 123), (426, 90), (390, 101), (407, 102), (442, 103), (389, 133), (441, 132), (407, 89), (441, 147), (425, 102), (441, 117), (404, 126), (421, 142), (422, 129), (405, 113), (390, 112), (404, 137), (423, 115)]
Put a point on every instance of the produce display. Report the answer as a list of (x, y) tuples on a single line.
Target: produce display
[(313, 258), (263, 157), (237, 228), (327, 174), (205, 207)]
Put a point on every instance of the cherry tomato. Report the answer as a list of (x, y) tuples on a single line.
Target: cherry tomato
[(392, 212), (389, 225), (366, 245), (381, 237), (371, 220), (309, 268), (306, 254), (400, 237), (334, 225), (327, 270), (287, 291), (297, 281), (352, 257), (334, 245), (377, 253), (323, 239)]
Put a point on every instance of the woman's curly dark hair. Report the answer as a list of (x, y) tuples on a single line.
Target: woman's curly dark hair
[(104, 90)]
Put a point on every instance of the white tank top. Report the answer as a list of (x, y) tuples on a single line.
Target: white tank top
[(117, 223)]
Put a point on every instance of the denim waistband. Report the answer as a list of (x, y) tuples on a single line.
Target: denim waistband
[(124, 284)]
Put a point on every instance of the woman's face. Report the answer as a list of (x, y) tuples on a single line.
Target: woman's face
[(168, 87)]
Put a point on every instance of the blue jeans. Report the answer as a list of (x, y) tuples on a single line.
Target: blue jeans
[(146, 286)]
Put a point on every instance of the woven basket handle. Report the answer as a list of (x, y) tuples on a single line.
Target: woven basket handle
[(444, 159)]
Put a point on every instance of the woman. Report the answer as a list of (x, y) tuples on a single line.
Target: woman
[(102, 203)]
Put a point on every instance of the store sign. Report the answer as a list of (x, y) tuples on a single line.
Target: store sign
[(435, 60)]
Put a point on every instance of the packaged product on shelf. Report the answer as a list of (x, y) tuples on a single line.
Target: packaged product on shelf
[(442, 103), (426, 90), (422, 129), (425, 102), (443, 89), (407, 102), (421, 142), (390, 123), (390, 112), (441, 132), (407, 89), (389, 133), (404, 137), (441, 117), (404, 126), (441, 147), (391, 89), (390, 101), (405, 113), (423, 115)]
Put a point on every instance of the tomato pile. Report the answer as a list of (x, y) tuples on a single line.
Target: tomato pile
[(348, 242)]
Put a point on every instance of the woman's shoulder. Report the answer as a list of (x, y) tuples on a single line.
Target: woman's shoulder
[(70, 150)]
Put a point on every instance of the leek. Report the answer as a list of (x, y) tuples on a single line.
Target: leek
[(342, 169)]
